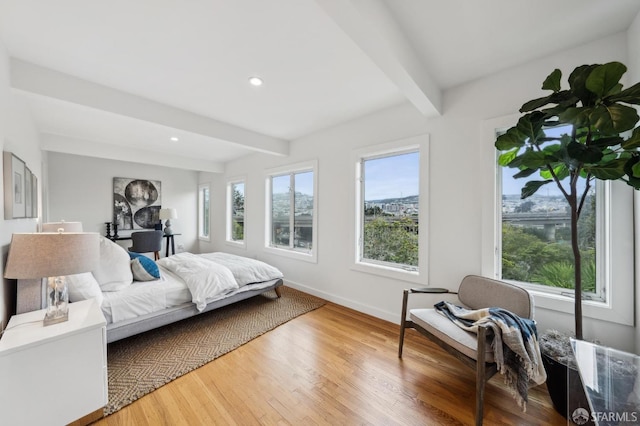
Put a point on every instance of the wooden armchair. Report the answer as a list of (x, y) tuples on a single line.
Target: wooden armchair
[(473, 350)]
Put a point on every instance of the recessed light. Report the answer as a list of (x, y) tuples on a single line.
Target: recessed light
[(255, 81), (174, 139)]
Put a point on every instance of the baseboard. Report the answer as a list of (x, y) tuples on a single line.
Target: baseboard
[(360, 307)]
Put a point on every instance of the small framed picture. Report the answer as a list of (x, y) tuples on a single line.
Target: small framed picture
[(15, 193)]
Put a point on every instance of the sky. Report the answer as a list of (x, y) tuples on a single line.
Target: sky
[(392, 177)]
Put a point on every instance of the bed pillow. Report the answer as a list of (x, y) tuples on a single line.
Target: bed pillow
[(143, 268), (83, 287), (114, 270)]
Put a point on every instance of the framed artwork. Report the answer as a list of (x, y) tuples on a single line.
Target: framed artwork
[(28, 199), (136, 203), (14, 187)]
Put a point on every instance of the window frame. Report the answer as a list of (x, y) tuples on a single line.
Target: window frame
[(617, 209), (418, 144), (231, 182), (291, 171), (201, 219)]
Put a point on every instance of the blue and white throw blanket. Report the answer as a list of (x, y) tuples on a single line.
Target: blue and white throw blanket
[(515, 344)]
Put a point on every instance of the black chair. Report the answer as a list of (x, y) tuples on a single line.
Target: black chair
[(147, 242)]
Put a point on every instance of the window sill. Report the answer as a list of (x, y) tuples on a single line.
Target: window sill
[(292, 254), (590, 308), (388, 272), (237, 244)]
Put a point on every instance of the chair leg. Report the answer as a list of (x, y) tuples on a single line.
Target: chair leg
[(156, 255), (403, 322), (480, 375)]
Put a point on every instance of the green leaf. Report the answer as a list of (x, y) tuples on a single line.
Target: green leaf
[(507, 157), (613, 118), (633, 142), (530, 126), (607, 141), (636, 170), (524, 173), (612, 170), (577, 82), (534, 159), (630, 95), (552, 82), (576, 116), (584, 153), (532, 187), (560, 170), (509, 140), (604, 78)]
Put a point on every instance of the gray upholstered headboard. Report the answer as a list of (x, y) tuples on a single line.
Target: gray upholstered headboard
[(31, 295)]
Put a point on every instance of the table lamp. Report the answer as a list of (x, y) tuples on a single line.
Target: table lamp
[(168, 214), (65, 226), (53, 255)]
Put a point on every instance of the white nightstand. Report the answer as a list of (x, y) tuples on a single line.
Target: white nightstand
[(54, 375)]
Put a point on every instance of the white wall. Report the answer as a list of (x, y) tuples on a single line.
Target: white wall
[(633, 47), (81, 189), (17, 135), (457, 190)]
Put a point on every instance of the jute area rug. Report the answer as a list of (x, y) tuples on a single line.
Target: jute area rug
[(140, 364)]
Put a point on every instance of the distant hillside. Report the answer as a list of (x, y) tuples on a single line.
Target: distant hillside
[(411, 199)]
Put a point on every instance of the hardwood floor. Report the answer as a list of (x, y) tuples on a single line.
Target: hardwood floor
[(333, 366)]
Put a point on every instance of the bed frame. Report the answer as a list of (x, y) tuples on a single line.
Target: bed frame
[(31, 297), (122, 329)]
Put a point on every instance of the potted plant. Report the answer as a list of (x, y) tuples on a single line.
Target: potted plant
[(603, 144)]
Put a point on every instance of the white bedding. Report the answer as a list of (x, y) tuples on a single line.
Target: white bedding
[(204, 278), (187, 277), (245, 270)]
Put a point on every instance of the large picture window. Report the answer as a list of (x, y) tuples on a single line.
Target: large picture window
[(391, 209), (292, 210), (536, 235), (235, 212)]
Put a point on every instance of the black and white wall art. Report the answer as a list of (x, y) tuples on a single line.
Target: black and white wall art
[(136, 203)]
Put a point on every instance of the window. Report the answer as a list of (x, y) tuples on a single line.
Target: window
[(391, 184), (203, 212), (235, 212), (614, 262), (536, 235), (292, 210)]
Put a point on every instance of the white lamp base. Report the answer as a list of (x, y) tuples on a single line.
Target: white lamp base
[(167, 228), (57, 301)]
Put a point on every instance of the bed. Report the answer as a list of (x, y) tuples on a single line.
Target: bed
[(137, 294)]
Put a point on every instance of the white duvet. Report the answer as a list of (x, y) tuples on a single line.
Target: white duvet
[(204, 278), (211, 275)]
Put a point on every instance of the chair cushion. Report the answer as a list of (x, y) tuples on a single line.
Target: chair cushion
[(444, 329)]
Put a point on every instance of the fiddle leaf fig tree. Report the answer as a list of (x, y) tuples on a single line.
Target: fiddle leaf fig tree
[(603, 143)]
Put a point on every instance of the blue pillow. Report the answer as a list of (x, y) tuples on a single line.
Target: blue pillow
[(143, 268)]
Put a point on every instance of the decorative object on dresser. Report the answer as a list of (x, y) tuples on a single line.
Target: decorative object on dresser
[(136, 203), (20, 188), (52, 256), (168, 214)]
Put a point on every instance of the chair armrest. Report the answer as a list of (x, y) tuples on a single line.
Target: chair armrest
[(431, 290)]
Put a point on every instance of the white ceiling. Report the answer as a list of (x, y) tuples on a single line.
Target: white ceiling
[(116, 79)]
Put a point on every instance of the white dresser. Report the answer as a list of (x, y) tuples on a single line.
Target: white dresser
[(54, 375)]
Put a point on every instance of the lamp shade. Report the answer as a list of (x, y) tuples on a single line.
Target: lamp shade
[(65, 226), (46, 254), (168, 214)]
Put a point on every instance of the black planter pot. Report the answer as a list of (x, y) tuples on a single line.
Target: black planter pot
[(566, 390)]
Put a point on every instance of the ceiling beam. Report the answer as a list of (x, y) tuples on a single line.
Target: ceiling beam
[(67, 145), (370, 25), (43, 81)]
